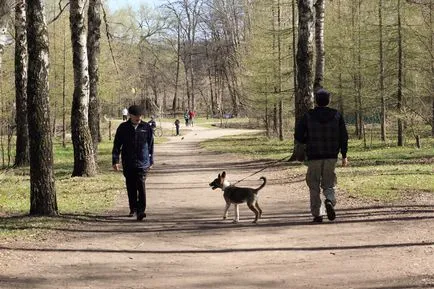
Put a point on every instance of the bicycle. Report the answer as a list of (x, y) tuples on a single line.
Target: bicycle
[(156, 130)]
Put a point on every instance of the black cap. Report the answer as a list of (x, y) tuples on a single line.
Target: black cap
[(322, 97), (135, 110)]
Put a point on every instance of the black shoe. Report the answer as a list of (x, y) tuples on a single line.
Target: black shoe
[(331, 214), (317, 219), (141, 216), (132, 212)]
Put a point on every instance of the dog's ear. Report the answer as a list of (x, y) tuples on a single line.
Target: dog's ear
[(224, 174)]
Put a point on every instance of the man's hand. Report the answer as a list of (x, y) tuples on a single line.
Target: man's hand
[(116, 167), (344, 162)]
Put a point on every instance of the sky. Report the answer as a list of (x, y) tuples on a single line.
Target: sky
[(116, 4)]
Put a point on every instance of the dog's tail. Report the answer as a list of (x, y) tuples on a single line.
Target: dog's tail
[(261, 186)]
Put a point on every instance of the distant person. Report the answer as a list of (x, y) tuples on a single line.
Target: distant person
[(134, 142), (152, 123), (177, 122), (191, 115), (186, 117), (124, 114), (323, 131)]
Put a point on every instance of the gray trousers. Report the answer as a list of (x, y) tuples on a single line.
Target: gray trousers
[(321, 175)]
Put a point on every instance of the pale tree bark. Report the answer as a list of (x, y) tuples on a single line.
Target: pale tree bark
[(319, 44), (304, 94), (93, 50), (84, 162), (382, 91), (42, 189), (400, 101), (22, 143)]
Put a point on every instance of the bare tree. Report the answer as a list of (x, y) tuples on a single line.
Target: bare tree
[(22, 142), (84, 162), (42, 189), (93, 51)]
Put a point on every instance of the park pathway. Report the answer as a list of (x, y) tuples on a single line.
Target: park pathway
[(184, 243)]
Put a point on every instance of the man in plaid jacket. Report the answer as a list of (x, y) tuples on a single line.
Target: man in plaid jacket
[(323, 131)]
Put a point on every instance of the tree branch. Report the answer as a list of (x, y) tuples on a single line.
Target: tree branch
[(60, 12), (109, 37)]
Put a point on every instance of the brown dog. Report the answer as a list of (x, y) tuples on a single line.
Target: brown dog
[(238, 195)]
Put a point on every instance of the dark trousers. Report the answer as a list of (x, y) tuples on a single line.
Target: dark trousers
[(177, 129), (135, 180)]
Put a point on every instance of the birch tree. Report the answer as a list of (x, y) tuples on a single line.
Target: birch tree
[(93, 50), (22, 142), (304, 94), (319, 44), (84, 162), (42, 188)]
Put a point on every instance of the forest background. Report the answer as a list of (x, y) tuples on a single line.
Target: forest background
[(239, 59)]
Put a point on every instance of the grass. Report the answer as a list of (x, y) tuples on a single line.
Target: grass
[(255, 146), (75, 196), (382, 172), (84, 197)]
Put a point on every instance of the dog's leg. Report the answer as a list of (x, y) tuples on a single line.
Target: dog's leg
[(259, 209), (225, 215), (254, 210), (237, 213)]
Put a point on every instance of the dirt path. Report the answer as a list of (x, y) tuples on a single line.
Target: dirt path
[(185, 244)]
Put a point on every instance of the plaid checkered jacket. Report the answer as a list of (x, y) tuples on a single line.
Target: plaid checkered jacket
[(324, 132)]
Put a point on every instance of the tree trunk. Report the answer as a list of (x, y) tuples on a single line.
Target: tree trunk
[(319, 44), (93, 50), (400, 104), (42, 190), (359, 74), (382, 92), (64, 89), (175, 103), (294, 47), (431, 23), (22, 143), (340, 61), (84, 162), (304, 95)]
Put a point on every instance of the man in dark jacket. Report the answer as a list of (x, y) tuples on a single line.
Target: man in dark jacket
[(323, 131), (134, 142)]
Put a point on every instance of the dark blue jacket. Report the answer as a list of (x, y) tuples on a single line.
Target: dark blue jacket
[(323, 131), (135, 146)]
